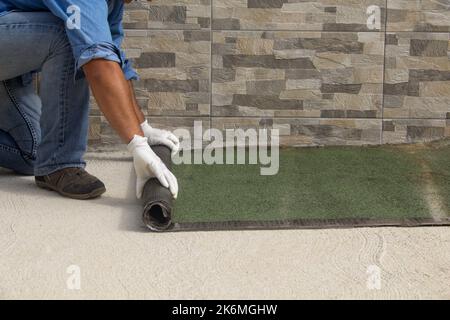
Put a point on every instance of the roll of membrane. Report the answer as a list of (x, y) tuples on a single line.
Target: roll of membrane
[(157, 200)]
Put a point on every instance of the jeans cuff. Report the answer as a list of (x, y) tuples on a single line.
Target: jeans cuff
[(51, 169)]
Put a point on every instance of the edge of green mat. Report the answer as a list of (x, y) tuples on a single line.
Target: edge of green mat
[(346, 223)]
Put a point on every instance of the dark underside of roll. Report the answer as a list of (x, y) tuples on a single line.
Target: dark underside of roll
[(157, 200)]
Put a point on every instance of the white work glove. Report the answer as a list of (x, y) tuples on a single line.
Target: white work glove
[(160, 137), (148, 165)]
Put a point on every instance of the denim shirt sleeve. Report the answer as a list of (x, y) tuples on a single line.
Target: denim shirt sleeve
[(95, 32)]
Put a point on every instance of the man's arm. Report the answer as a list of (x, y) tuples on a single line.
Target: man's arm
[(137, 110), (114, 97)]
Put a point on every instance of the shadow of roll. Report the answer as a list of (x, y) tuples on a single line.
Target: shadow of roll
[(157, 200)]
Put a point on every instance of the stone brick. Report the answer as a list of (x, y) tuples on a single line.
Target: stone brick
[(155, 60), (266, 61), (344, 88), (171, 85), (428, 48), (266, 102), (265, 3)]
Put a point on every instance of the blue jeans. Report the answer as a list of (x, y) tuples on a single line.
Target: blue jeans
[(40, 133)]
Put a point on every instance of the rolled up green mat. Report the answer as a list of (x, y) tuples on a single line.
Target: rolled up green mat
[(157, 200)]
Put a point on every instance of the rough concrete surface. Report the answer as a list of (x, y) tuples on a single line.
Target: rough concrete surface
[(42, 235)]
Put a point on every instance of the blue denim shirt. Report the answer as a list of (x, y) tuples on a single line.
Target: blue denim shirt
[(98, 35)]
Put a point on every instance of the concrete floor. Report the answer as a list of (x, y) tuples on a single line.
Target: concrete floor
[(43, 236)]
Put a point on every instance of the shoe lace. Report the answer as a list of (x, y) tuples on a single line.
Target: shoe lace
[(79, 172)]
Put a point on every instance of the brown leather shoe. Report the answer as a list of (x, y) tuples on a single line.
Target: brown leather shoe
[(73, 183)]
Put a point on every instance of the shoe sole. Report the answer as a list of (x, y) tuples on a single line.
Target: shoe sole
[(92, 195)]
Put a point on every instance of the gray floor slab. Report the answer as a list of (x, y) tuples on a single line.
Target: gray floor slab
[(42, 238)]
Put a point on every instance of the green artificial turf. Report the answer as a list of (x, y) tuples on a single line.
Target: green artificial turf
[(314, 183), (438, 160)]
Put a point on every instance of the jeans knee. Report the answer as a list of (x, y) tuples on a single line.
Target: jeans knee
[(20, 116)]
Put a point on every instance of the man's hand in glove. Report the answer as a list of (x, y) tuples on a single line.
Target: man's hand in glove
[(160, 137), (148, 165)]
